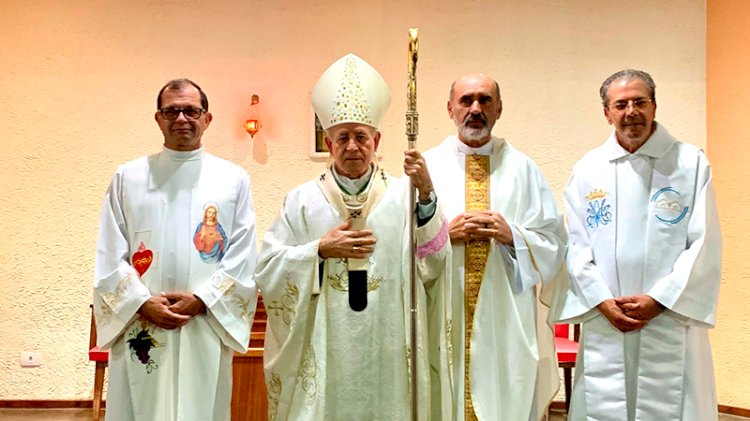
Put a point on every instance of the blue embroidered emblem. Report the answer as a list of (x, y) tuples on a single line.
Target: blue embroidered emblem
[(599, 213), (667, 206), (598, 210)]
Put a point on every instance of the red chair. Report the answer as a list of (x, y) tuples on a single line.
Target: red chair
[(102, 359), (567, 351)]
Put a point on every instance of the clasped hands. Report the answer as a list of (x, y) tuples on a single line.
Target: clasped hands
[(171, 310), (631, 312), (480, 225)]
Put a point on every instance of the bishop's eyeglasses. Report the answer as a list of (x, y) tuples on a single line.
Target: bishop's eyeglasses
[(190, 113), (639, 104)]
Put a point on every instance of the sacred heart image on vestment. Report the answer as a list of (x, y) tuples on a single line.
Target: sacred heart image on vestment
[(142, 259)]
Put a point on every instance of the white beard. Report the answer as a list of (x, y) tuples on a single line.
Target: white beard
[(471, 134)]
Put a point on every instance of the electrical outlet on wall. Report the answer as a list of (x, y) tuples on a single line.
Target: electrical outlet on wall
[(31, 359)]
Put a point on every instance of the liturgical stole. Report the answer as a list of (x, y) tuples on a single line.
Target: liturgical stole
[(477, 199)]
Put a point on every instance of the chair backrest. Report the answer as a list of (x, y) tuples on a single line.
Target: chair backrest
[(562, 330), (92, 329)]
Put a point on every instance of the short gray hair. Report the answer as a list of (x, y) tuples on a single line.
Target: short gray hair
[(628, 74)]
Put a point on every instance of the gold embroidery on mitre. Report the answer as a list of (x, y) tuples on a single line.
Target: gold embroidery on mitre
[(477, 199), (350, 103)]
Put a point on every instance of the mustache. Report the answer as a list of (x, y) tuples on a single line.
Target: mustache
[(633, 121), (181, 126), (470, 118)]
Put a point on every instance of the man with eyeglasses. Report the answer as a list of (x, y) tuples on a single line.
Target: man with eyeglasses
[(644, 260), (508, 241), (174, 293)]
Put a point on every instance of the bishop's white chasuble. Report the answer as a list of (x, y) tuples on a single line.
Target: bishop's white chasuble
[(324, 361)]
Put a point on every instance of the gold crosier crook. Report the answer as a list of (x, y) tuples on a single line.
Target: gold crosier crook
[(412, 128)]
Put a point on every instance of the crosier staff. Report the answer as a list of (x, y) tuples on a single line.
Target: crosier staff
[(412, 128)]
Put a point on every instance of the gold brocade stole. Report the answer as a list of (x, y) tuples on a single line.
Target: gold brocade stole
[(477, 199)]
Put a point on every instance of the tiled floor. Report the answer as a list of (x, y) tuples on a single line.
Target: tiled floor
[(85, 415), (556, 416)]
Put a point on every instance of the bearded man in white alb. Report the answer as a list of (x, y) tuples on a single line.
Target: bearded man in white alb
[(645, 263), (334, 270), (174, 295), (508, 238)]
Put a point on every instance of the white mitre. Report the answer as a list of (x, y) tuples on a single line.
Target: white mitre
[(351, 91)]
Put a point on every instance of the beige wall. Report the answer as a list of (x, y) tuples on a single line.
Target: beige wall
[(78, 81), (728, 108)]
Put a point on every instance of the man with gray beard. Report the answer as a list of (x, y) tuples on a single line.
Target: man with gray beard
[(507, 237), (644, 261)]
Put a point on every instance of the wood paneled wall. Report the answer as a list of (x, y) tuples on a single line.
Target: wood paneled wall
[(249, 399)]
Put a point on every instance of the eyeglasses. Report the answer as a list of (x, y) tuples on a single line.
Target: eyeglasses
[(638, 104), (191, 113)]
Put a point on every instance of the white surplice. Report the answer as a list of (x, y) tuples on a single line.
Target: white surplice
[(152, 213), (643, 223), (513, 365), (324, 361)]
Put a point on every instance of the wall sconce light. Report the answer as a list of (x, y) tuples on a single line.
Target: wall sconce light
[(252, 125)]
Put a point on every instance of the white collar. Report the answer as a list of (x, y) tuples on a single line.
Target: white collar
[(493, 147), (352, 185), (183, 155), (656, 146)]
